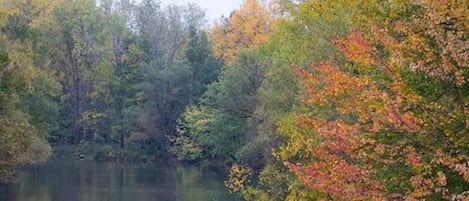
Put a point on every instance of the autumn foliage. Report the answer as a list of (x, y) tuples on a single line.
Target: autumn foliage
[(377, 129), (248, 27), (306, 100)]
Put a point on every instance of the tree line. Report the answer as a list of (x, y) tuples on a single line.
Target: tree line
[(304, 100), (110, 79)]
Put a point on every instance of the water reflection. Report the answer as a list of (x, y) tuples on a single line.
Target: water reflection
[(95, 181)]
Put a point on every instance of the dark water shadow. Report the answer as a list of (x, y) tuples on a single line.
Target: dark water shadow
[(9, 191)]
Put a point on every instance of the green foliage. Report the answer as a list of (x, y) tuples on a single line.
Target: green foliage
[(228, 137), (224, 112), (176, 64), (205, 68), (6, 88), (38, 151), (102, 73), (84, 67), (42, 108), (204, 133), (194, 133), (17, 28), (105, 153)]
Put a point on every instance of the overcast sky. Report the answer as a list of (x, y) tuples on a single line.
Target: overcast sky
[(214, 9)]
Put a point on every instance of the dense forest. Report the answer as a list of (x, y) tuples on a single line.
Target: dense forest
[(301, 100)]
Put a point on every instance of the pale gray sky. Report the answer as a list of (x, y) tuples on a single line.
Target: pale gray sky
[(214, 9)]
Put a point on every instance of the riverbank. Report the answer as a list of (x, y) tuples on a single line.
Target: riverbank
[(93, 153), (97, 152)]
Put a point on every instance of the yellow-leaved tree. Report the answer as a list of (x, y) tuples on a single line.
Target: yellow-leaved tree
[(248, 27)]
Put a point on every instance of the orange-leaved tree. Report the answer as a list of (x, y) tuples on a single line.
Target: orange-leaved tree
[(392, 122)]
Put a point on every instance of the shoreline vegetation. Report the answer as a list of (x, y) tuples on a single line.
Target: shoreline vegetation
[(290, 100), (69, 152)]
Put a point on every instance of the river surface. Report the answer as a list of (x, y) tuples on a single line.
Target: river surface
[(101, 181)]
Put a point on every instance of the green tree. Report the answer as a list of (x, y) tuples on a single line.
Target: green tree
[(192, 142), (169, 75), (224, 111), (124, 57), (84, 70), (205, 68)]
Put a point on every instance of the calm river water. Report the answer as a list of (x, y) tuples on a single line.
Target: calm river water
[(99, 181)]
